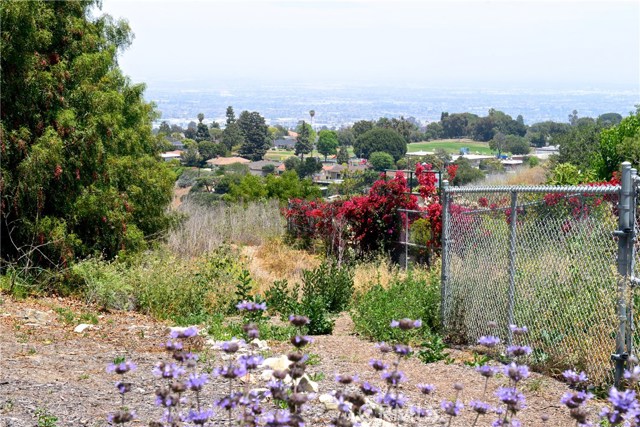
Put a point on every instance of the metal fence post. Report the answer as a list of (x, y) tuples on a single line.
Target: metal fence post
[(445, 247), (512, 262), (631, 331), (623, 233), (406, 241)]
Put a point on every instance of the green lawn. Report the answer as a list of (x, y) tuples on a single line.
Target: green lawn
[(451, 146), (281, 155)]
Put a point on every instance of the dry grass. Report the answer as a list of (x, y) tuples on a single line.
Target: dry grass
[(274, 260), (206, 228), (523, 176), (381, 271)]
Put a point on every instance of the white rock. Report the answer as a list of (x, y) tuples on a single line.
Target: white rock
[(260, 344), (377, 422), (276, 363), (82, 327), (329, 401), (305, 384)]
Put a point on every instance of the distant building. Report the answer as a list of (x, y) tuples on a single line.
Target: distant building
[(285, 143), (167, 156), (257, 168), (224, 161)]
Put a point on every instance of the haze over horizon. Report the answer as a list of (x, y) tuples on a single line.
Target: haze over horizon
[(565, 45)]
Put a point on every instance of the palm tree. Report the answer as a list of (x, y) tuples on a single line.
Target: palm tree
[(312, 113)]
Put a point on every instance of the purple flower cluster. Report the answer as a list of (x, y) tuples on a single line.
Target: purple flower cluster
[(406, 324), (251, 306)]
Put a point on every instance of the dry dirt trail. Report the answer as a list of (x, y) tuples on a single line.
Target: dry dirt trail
[(46, 366)]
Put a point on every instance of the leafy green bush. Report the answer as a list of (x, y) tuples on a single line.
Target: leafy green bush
[(331, 283), (413, 297), (163, 285), (326, 290)]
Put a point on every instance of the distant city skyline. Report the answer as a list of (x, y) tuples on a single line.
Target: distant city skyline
[(471, 44)]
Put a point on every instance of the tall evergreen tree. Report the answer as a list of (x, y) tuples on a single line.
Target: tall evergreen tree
[(80, 172), (231, 116), (256, 135), (304, 145)]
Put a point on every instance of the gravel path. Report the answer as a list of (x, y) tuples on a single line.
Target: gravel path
[(46, 368)]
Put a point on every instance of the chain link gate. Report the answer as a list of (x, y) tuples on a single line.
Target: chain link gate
[(556, 259)]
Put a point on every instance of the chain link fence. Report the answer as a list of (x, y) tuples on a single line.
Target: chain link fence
[(544, 257)]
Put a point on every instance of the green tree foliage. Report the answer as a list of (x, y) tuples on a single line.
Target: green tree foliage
[(192, 129), (545, 133), (343, 155), (401, 125), (381, 161), (202, 130), (292, 163), (232, 136), (80, 171), (580, 146), (345, 137), (491, 166), (454, 125), (249, 188), (164, 128), (256, 135), (308, 167), (327, 142), (209, 150), (380, 139), (360, 128), (304, 143), (466, 173), (231, 115), (615, 143), (568, 174), (434, 131), (609, 119)]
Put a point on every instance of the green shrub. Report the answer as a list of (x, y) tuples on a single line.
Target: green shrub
[(326, 290), (331, 283), (158, 283), (413, 297)]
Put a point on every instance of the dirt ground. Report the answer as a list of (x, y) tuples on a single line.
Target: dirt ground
[(48, 370)]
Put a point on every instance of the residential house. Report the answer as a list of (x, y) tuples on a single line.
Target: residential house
[(167, 156), (225, 161), (257, 168)]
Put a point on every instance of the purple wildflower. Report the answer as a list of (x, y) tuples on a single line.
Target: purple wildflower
[(277, 419), (488, 341), (173, 345), (516, 372), (230, 372), (251, 306), (378, 365), (346, 379), (486, 371), (297, 320), (574, 378), (196, 382), (123, 387), (451, 408), (518, 350), (384, 347), (199, 417), (633, 375), (420, 412), (479, 407), (518, 330), (575, 399), (167, 370), (121, 417), (251, 362), (189, 332), (393, 378), (229, 402), (427, 388), (623, 401), (231, 346), (300, 341), (401, 349), (122, 367), (406, 324), (393, 400), (368, 389), (511, 397)]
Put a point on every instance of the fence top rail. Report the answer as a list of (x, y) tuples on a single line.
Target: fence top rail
[(580, 189)]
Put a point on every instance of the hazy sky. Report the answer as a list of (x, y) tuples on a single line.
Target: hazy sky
[(573, 44)]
